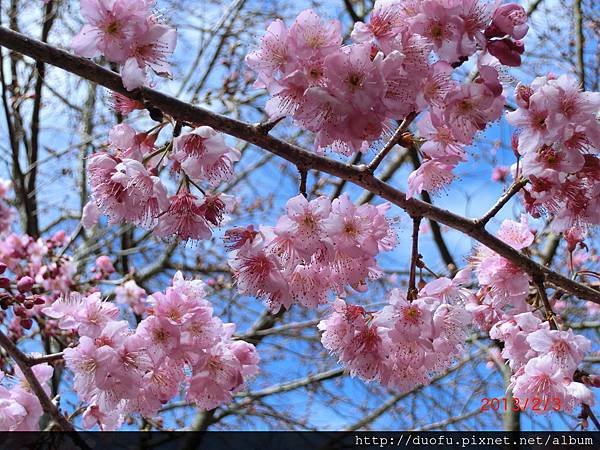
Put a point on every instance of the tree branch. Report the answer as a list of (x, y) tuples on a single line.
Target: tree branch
[(24, 364), (358, 175)]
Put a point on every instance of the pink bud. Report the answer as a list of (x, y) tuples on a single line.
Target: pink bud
[(25, 284), (104, 264)]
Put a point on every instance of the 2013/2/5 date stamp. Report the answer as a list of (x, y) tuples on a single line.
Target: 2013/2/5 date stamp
[(515, 404)]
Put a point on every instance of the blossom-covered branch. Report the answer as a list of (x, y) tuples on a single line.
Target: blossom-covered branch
[(248, 132)]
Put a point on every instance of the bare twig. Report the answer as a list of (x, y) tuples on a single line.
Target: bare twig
[(503, 200), (414, 258), (395, 139)]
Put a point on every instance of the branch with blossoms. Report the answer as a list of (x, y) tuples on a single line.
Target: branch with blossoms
[(248, 132), (397, 68)]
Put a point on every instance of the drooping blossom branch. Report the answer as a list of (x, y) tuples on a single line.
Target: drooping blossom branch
[(358, 175), (348, 96)]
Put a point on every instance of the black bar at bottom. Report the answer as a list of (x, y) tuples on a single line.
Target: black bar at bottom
[(291, 440)]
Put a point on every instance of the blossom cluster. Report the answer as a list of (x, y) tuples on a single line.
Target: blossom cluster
[(406, 342), (126, 185), (559, 141), (349, 95), (503, 285), (543, 360), (118, 370), (319, 246), (129, 33), (32, 273), (20, 408)]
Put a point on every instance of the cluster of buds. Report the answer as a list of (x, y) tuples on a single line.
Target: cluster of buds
[(21, 296)]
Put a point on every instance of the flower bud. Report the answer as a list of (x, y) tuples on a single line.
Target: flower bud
[(25, 284)]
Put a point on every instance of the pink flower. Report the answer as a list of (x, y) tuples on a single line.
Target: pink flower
[(184, 219), (565, 349), (351, 228), (431, 176), (104, 265), (305, 221), (213, 382), (440, 143), (354, 77), (516, 234), (106, 421), (90, 215), (259, 273), (357, 344), (470, 108), (161, 336), (124, 189), (310, 285), (110, 28), (310, 37), (510, 19), (124, 105), (507, 51), (151, 46), (204, 155), (442, 27), (273, 54), (435, 87), (132, 295), (499, 173), (385, 23), (86, 360), (540, 379), (533, 123)]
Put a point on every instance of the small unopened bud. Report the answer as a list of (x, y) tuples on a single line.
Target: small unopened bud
[(2, 268), (25, 284), (26, 323), (4, 282)]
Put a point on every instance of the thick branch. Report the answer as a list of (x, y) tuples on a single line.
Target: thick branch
[(358, 175)]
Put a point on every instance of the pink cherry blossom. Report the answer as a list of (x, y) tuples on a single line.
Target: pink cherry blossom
[(564, 348), (203, 155), (132, 295), (151, 47), (110, 28)]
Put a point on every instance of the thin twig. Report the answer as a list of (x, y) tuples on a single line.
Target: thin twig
[(395, 139), (34, 361), (303, 177), (414, 258), (503, 200), (550, 315)]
